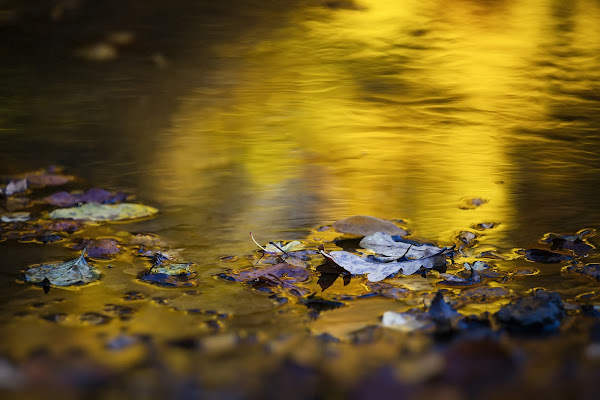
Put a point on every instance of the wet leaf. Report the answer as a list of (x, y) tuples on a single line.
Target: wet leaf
[(486, 225), (279, 248), (484, 293), (394, 246), (540, 313), (377, 271), (98, 248), (94, 195), (576, 243), (405, 322), (364, 225), (47, 177), (476, 266), (74, 272), (545, 256), (387, 290), (440, 311), (282, 274), (471, 203), (14, 186), (104, 212), (15, 217), (588, 270), (171, 275)]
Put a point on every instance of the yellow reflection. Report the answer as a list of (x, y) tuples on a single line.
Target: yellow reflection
[(400, 110)]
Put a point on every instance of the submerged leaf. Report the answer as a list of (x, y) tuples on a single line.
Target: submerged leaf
[(364, 225), (74, 272), (171, 275), (104, 212)]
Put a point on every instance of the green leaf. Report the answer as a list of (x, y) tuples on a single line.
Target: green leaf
[(104, 212), (73, 272)]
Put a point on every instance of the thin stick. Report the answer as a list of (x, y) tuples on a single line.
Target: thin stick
[(252, 237)]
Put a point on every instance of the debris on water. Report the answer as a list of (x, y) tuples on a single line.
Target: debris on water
[(574, 242), (440, 311), (476, 266), (13, 187), (98, 248), (545, 256), (364, 225), (132, 296), (396, 246), (93, 318), (170, 275), (50, 176), (540, 313), (282, 275), (379, 270), (317, 305), (484, 294), (485, 225), (471, 203), (587, 270), (93, 195), (405, 321), (19, 216), (104, 212), (388, 290), (74, 272), (464, 239)]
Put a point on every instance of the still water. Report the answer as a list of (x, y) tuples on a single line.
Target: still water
[(278, 119)]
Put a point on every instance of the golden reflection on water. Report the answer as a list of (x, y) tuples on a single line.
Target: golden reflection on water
[(398, 110)]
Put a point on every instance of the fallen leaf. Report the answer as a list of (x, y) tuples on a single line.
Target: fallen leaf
[(15, 217), (171, 275), (14, 186), (104, 212), (94, 195), (279, 248), (98, 248), (73, 272), (545, 256), (405, 322), (377, 271), (47, 177), (540, 313), (282, 274), (471, 203), (576, 243), (394, 246), (477, 266), (588, 270), (364, 225)]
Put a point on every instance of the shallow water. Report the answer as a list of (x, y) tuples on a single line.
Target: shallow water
[(279, 119)]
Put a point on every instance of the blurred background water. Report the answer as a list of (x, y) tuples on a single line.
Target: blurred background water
[(279, 117)]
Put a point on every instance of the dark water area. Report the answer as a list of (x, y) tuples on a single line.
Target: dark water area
[(279, 118)]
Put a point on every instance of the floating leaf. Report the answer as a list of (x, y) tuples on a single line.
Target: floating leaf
[(16, 217), (98, 248), (279, 248), (172, 275), (476, 266), (576, 243), (364, 225), (405, 322), (94, 195), (378, 270), (471, 203), (545, 256), (14, 186), (394, 246), (74, 272), (540, 313), (104, 212)]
